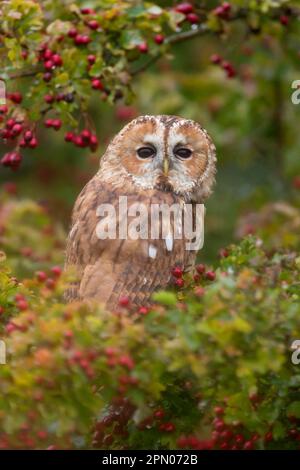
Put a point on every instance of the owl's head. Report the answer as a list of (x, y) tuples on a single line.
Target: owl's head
[(163, 152)]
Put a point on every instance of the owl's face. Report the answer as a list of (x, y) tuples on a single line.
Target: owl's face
[(166, 153)]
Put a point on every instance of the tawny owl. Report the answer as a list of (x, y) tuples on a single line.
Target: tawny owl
[(154, 161)]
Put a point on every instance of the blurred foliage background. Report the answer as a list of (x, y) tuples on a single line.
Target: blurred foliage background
[(251, 118)]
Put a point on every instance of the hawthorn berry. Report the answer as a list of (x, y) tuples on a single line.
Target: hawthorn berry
[(72, 33), (69, 136), (16, 97), (3, 109), (47, 76), (93, 24), (56, 271), (97, 84), (143, 310), (200, 268), (210, 275), (22, 304), (284, 20), (12, 160), (159, 38), (56, 124), (49, 65), (184, 8), (91, 59), (57, 60), (124, 301), (143, 47), (177, 272), (16, 129), (192, 18), (28, 135), (33, 143), (179, 282), (215, 58), (41, 276)]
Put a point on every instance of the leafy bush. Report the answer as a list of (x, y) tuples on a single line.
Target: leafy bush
[(208, 367)]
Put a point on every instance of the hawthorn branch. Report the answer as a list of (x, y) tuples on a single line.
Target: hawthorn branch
[(173, 39)]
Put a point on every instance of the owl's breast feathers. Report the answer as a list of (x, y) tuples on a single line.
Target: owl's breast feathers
[(110, 268)]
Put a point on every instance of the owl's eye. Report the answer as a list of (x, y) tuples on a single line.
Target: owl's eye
[(146, 152), (183, 152)]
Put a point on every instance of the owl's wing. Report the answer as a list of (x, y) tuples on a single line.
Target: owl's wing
[(111, 268)]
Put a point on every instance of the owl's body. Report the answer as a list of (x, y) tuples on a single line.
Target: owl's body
[(143, 165)]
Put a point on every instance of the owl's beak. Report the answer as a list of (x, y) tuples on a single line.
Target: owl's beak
[(166, 166)]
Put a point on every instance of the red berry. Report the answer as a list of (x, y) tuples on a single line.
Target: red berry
[(87, 11), (179, 282), (91, 59), (177, 272), (199, 291), (12, 160), (268, 436), (159, 38), (228, 67), (17, 129), (72, 33), (28, 136), (143, 310), (3, 109), (248, 445), (57, 60), (49, 99), (143, 47), (16, 97), (97, 84), (284, 20), (159, 414), (50, 283), (82, 39), (86, 135), (124, 301), (219, 410), (192, 18), (56, 270), (56, 124), (69, 136), (184, 8), (78, 141), (126, 361), (10, 123), (33, 143), (48, 122), (93, 142), (49, 65), (22, 304), (41, 276), (200, 268), (210, 275), (93, 24), (47, 54), (215, 59)]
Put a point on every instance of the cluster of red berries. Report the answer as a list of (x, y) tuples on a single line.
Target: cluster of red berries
[(114, 424), (223, 11), (201, 273), (16, 97), (226, 437), (193, 442), (84, 139), (51, 60), (67, 97), (54, 123), (224, 64), (177, 273), (12, 160), (187, 9), (83, 359)]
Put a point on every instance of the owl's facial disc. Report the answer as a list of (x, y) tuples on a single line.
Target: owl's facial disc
[(167, 153)]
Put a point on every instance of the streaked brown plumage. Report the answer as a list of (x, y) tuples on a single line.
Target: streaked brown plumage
[(108, 269)]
